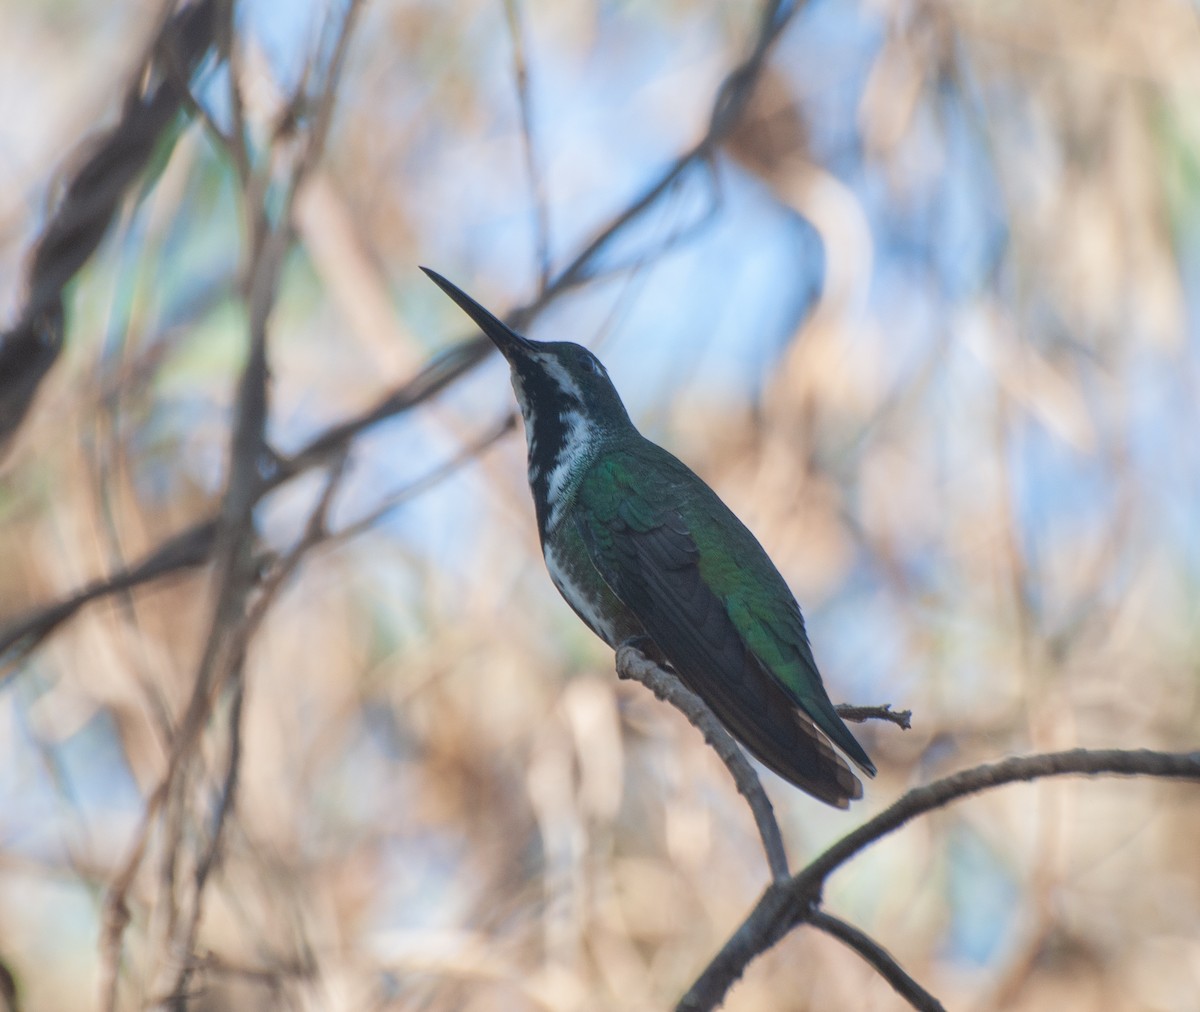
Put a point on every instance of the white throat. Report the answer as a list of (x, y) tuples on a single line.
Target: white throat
[(555, 469)]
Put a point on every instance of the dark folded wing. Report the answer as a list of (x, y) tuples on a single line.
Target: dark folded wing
[(654, 570)]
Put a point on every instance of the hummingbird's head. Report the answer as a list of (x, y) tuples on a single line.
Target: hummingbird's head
[(549, 376), (567, 400)]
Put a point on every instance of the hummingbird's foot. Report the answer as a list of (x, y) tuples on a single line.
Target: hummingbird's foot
[(645, 646)]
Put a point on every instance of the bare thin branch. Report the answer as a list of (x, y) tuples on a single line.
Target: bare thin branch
[(191, 547), (422, 484), (861, 714), (730, 102), (783, 906)]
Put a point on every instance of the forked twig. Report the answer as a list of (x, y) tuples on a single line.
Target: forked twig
[(783, 906)]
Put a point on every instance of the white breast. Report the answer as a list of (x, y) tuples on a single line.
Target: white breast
[(585, 605)]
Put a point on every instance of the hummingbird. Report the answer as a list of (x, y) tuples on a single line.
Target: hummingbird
[(643, 550)]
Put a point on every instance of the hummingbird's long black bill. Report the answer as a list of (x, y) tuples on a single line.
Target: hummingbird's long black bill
[(500, 333)]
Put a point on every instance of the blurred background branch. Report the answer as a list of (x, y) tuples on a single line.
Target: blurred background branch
[(92, 197)]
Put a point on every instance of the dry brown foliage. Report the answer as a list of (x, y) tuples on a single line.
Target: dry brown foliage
[(290, 715)]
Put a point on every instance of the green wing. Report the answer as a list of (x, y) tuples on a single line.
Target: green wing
[(714, 604)]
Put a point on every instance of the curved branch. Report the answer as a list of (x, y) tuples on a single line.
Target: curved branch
[(918, 801), (793, 902)]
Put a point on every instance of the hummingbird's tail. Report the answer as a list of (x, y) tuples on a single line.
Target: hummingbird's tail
[(766, 720), (787, 741), (833, 781)]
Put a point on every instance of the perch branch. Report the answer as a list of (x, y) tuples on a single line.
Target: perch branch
[(634, 665), (785, 905)]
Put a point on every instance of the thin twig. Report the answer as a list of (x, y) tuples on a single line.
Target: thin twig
[(191, 547), (880, 959), (115, 916), (537, 187), (177, 917), (860, 714), (315, 532), (426, 482), (233, 624), (730, 102)]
